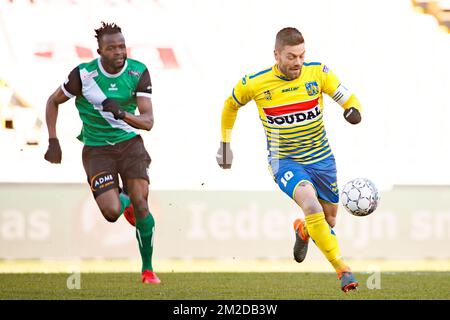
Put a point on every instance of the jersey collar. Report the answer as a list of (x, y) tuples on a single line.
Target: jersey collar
[(109, 75)]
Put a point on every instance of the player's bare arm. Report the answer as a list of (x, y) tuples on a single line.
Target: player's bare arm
[(54, 153), (51, 112), (145, 118), (142, 121)]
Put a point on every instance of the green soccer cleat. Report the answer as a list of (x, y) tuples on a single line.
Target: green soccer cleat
[(301, 240)]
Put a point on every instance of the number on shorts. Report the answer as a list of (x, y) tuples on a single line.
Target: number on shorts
[(286, 177)]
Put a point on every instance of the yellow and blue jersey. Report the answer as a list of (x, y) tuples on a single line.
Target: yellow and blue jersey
[(291, 111)]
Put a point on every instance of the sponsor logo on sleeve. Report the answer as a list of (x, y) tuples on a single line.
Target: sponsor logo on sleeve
[(89, 75), (134, 73)]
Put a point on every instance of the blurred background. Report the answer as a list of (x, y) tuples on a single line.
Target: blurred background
[(393, 54)]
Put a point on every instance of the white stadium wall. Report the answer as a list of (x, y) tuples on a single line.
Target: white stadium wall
[(62, 221)]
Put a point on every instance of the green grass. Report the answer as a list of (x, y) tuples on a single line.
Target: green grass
[(224, 286)]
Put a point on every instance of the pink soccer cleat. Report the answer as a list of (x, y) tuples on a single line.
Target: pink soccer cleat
[(150, 277)]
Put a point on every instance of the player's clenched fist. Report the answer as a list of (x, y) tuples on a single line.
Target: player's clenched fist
[(224, 155), (111, 105), (54, 152), (352, 115)]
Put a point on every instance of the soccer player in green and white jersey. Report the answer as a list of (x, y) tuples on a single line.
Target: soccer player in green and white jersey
[(108, 90)]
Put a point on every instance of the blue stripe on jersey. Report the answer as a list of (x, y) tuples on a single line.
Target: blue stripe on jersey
[(303, 151), (294, 139), (313, 160), (273, 130), (300, 150), (300, 159), (309, 143), (260, 73), (312, 64), (304, 156), (316, 155), (235, 99)]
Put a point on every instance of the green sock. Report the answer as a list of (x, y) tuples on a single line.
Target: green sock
[(124, 202), (144, 235)]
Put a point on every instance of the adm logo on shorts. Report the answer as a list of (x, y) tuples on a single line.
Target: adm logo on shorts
[(101, 181)]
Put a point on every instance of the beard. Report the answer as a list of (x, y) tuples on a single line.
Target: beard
[(291, 72)]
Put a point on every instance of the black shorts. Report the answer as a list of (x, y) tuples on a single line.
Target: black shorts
[(103, 164)]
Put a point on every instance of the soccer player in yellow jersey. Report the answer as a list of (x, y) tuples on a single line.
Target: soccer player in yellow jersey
[(290, 105)]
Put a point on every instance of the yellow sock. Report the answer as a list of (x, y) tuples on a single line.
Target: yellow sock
[(319, 231)]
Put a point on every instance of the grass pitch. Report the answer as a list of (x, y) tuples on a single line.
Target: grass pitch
[(224, 286)]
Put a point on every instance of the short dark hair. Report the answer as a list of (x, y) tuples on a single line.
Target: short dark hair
[(107, 28), (288, 37)]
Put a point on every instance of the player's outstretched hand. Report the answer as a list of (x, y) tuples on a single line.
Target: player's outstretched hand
[(352, 115), (54, 153), (111, 105), (224, 155)]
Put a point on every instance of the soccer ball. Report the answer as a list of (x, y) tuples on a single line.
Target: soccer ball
[(360, 197)]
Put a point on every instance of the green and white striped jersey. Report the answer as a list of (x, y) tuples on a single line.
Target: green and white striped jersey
[(91, 84)]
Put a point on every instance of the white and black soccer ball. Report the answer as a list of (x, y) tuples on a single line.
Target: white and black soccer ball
[(360, 197)]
